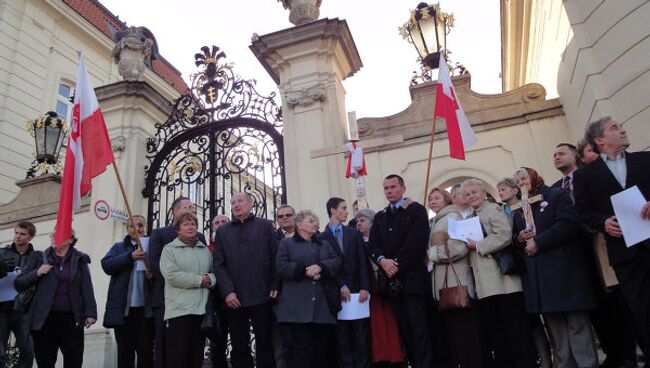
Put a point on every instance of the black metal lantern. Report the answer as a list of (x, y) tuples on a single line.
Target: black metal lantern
[(49, 132), (427, 31)]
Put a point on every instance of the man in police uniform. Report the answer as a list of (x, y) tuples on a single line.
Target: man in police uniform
[(398, 243)]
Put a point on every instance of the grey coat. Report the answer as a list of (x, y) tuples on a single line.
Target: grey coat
[(302, 299)]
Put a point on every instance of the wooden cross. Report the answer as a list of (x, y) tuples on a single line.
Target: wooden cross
[(524, 204)]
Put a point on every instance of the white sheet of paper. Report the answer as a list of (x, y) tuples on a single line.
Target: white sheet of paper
[(465, 229), (354, 310), (627, 207), (145, 245), (7, 290)]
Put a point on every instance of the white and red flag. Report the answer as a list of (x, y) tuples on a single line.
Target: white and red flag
[(459, 131), (88, 154)]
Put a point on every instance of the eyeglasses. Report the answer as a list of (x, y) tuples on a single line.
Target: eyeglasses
[(285, 215)]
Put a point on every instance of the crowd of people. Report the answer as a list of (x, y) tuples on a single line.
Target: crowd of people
[(549, 278)]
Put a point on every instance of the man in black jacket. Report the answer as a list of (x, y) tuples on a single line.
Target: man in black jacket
[(284, 217), (594, 184), (398, 244), (159, 238), (14, 257), (611, 319), (353, 337), (244, 265)]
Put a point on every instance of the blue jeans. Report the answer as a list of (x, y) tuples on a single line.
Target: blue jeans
[(18, 323)]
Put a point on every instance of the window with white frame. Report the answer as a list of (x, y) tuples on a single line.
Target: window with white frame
[(63, 103)]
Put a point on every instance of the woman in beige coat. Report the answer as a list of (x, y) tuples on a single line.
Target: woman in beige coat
[(462, 326), (501, 300)]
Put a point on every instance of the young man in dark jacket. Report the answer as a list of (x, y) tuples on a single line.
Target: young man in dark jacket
[(13, 259), (128, 308)]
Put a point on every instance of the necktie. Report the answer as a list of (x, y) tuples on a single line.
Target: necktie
[(566, 183), (339, 237)]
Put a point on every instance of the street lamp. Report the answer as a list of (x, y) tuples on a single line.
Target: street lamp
[(49, 132), (427, 31)]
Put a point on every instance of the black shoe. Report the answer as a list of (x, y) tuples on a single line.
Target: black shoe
[(619, 364)]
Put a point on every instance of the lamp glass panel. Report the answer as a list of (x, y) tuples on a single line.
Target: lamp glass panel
[(442, 35), (428, 27), (39, 139), (51, 139), (416, 37)]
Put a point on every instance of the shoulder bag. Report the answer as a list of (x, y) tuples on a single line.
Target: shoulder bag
[(455, 297), (24, 298)]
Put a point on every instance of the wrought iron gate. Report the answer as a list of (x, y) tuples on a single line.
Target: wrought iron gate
[(222, 137)]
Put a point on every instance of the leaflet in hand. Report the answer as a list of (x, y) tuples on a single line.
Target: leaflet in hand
[(627, 207), (145, 247), (464, 230)]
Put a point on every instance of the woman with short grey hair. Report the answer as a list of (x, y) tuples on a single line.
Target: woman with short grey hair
[(302, 262)]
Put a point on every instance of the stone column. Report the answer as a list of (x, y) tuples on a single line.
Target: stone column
[(309, 64)]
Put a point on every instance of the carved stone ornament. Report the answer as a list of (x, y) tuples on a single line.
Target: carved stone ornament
[(118, 143), (134, 50), (302, 11), (306, 96)]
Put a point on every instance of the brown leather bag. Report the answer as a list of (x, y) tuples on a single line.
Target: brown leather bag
[(455, 297)]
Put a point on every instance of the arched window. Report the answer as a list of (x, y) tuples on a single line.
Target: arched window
[(63, 101)]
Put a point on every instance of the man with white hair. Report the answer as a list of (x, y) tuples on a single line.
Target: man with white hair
[(244, 265)]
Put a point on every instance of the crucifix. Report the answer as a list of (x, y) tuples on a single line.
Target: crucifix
[(524, 204)]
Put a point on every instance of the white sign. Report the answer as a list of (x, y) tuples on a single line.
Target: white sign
[(627, 207), (103, 211)]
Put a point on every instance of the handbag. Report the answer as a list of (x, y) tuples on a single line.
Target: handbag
[(510, 261), (331, 291), (24, 298), (455, 297), (210, 326)]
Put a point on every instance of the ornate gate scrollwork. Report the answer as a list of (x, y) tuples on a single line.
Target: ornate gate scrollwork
[(221, 137)]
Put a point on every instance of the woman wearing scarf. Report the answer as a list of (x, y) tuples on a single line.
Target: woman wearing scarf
[(556, 283)]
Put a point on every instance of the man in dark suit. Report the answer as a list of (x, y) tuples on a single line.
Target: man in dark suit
[(398, 244), (159, 238), (284, 218), (353, 337), (594, 184), (244, 265), (611, 319)]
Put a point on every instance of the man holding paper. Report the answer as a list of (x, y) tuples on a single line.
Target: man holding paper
[(594, 184), (352, 335)]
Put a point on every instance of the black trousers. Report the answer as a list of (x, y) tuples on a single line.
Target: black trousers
[(184, 342), (634, 279), (507, 330), (218, 346), (467, 340), (613, 324), (135, 339), (59, 332), (159, 336), (413, 321), (239, 322), (307, 341), (353, 338)]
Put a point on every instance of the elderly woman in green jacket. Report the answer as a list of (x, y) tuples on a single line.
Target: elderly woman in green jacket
[(185, 263)]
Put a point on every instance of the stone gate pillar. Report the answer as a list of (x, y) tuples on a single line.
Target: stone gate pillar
[(309, 63)]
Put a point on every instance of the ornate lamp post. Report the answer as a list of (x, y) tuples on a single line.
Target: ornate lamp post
[(427, 30), (49, 132)]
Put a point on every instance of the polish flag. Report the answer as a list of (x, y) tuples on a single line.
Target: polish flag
[(89, 152), (459, 131)]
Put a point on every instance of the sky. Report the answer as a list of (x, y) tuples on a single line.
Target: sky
[(380, 88)]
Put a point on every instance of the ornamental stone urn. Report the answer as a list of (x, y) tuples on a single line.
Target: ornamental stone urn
[(302, 11), (134, 50)]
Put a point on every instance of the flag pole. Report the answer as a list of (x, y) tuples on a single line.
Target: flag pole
[(128, 210), (426, 183)]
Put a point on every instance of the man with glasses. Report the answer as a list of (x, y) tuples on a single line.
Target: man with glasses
[(284, 218), (159, 238)]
